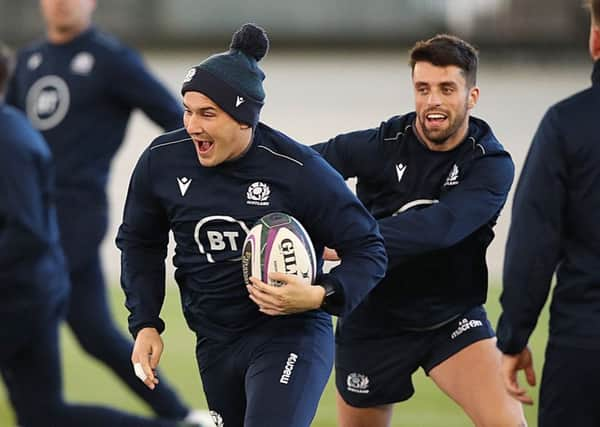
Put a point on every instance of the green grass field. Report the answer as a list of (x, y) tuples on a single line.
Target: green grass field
[(87, 381)]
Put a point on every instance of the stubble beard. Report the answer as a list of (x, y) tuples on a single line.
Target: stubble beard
[(441, 136)]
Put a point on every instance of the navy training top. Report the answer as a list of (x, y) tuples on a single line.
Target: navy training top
[(32, 265), (211, 209), (555, 228), (80, 95), (435, 211)]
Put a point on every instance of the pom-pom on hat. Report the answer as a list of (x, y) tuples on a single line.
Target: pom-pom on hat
[(233, 79)]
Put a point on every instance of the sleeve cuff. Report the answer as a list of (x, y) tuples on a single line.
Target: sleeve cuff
[(159, 325), (334, 300)]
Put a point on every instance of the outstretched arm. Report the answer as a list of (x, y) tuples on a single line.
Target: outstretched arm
[(473, 203), (140, 89)]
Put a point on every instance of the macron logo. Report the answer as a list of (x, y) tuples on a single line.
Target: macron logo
[(400, 169), (289, 367), (464, 325), (184, 184), (239, 101)]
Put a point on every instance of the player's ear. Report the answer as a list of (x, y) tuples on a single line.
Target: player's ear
[(595, 42), (244, 126), (473, 97)]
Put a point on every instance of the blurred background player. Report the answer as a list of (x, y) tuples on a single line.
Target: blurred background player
[(34, 283), (79, 87), (263, 364), (555, 228), (436, 180)]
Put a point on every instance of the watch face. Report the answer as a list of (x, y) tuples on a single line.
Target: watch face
[(330, 302), (329, 289)]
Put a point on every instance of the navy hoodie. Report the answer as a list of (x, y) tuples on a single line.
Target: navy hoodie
[(80, 96), (556, 228), (435, 211), (32, 265)]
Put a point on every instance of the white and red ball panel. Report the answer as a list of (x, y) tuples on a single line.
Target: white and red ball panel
[(278, 242)]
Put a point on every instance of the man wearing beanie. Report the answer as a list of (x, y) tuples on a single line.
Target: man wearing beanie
[(209, 183)]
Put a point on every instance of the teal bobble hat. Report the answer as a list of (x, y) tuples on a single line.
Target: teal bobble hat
[(232, 79)]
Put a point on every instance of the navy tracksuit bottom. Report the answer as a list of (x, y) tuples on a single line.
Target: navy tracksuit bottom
[(31, 369)]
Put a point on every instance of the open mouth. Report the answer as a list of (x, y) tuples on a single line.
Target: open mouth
[(436, 119), (203, 146)]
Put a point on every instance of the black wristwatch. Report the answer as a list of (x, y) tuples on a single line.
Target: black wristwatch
[(329, 293), (333, 301)]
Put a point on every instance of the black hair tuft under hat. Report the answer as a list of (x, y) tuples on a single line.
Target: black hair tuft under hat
[(233, 79)]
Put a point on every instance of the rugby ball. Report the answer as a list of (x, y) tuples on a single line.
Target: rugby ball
[(278, 242)]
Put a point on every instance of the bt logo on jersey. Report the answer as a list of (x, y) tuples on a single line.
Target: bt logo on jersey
[(220, 238), (47, 102)]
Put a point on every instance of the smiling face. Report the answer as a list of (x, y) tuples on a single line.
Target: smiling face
[(217, 137), (442, 104)]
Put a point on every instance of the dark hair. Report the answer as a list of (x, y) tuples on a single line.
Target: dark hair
[(444, 50), (6, 64), (594, 8)]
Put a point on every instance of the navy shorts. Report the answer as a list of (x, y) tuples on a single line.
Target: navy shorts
[(373, 371), (272, 377)]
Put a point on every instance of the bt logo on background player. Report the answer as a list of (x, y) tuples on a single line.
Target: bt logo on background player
[(47, 102)]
